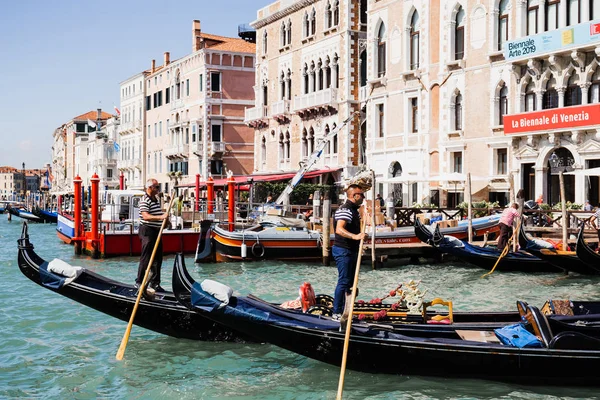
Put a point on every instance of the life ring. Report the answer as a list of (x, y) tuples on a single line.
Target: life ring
[(258, 250)]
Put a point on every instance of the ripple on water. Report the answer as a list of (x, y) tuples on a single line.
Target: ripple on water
[(53, 347)]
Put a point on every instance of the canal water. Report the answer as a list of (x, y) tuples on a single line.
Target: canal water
[(53, 347)]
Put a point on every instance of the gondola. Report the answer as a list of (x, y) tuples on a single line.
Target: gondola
[(47, 216), (163, 315), (584, 251), (567, 260), (567, 357), (483, 257)]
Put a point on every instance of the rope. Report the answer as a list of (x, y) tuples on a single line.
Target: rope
[(505, 250)]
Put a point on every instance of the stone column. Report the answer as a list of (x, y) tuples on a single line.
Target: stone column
[(585, 88), (561, 95), (539, 99)]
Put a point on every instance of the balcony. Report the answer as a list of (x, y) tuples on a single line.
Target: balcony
[(280, 111), (177, 151), (197, 148), (217, 148), (256, 117), (322, 101)]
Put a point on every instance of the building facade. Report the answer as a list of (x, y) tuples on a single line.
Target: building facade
[(130, 137), (194, 108), (305, 86)]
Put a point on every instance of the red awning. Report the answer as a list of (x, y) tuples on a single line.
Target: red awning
[(243, 180)]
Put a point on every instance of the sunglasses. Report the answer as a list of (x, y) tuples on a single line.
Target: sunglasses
[(360, 194), (157, 187)]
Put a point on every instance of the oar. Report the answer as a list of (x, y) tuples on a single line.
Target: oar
[(121, 351), (350, 312), (505, 250)]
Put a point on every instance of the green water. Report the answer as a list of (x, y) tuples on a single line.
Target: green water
[(52, 347)]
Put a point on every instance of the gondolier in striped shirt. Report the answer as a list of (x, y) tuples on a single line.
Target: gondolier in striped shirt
[(346, 247), (151, 220)]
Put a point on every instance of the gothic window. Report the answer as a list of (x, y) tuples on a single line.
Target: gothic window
[(283, 35), (334, 140), (306, 79), (550, 99), (328, 16), (289, 32), (313, 76), (306, 25), (414, 41), (530, 97), (594, 93), (287, 145), (502, 24), (289, 83), (458, 106), (573, 92), (328, 145), (327, 73), (313, 22), (503, 104), (304, 143), (311, 140), (263, 150), (459, 35), (336, 13), (282, 86), (381, 50), (321, 75)]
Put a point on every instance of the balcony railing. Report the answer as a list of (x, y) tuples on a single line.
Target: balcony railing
[(178, 150), (281, 107), (315, 99), (197, 148), (255, 114), (217, 147)]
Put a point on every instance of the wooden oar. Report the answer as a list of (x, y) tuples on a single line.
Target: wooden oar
[(350, 312), (142, 289), (505, 250)]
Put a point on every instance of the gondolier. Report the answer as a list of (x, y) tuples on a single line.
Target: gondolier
[(506, 223), (346, 247), (152, 216)]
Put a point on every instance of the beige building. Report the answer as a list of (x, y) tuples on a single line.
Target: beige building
[(11, 183), (306, 69), (194, 108), (443, 84), (131, 131)]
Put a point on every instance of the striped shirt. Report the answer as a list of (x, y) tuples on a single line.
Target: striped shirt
[(348, 212), (152, 207)]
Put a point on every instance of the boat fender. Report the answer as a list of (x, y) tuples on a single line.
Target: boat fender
[(244, 250), (258, 250)]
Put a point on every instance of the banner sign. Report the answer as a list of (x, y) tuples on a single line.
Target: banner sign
[(556, 118), (553, 41)]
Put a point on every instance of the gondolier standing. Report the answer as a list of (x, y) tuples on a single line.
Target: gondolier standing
[(347, 241), (595, 222), (151, 220), (506, 223)]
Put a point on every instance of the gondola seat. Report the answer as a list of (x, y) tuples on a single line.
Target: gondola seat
[(574, 341), (537, 320)]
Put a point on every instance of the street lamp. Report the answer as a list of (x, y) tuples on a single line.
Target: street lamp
[(554, 161)]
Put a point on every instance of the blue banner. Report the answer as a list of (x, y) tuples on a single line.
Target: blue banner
[(553, 41)]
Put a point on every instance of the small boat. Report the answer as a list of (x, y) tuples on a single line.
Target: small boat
[(483, 257), (163, 315), (278, 238), (584, 251), (565, 356), (24, 214), (567, 260), (47, 216)]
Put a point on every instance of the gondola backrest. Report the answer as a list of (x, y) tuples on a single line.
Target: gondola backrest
[(538, 321)]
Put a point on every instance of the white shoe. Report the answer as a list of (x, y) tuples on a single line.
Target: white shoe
[(336, 317)]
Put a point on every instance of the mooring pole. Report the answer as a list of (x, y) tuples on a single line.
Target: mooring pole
[(373, 220), (326, 228), (563, 206)]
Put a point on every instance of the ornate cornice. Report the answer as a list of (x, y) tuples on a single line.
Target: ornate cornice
[(299, 5)]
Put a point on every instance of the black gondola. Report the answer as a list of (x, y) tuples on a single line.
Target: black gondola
[(484, 257), (26, 215), (567, 260), (163, 315), (584, 251), (567, 357)]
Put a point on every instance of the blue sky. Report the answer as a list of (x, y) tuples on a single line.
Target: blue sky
[(60, 59)]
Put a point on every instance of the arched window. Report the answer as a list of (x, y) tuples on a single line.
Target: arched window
[(334, 141), (328, 145), (304, 143), (530, 97), (381, 50), (311, 140), (328, 16), (552, 8), (283, 35), (459, 35), (306, 80), (336, 66), (289, 32), (313, 77), (503, 104), (573, 12), (573, 92), (414, 41), (336, 13), (306, 25), (458, 109), (282, 85), (321, 83), (327, 73), (533, 10), (178, 86), (288, 79), (287, 145), (281, 147), (313, 22), (264, 45), (263, 150), (594, 93), (550, 99), (502, 23), (363, 68)]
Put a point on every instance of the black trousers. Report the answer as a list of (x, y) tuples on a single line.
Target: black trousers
[(505, 233), (148, 236)]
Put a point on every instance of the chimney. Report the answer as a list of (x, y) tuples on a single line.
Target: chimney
[(196, 32), (167, 59), (153, 66), (99, 115)]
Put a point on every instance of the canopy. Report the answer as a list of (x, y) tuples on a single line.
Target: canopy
[(244, 179), (587, 172)]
